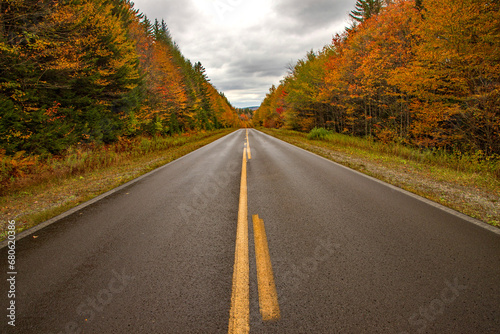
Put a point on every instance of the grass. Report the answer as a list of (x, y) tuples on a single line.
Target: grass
[(466, 183), (35, 189)]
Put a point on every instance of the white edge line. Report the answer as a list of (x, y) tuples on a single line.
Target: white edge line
[(81, 206), (474, 221)]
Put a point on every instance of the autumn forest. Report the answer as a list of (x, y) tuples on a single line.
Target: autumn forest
[(94, 72), (420, 73)]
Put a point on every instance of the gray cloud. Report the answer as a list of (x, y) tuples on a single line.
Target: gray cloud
[(175, 13), (247, 46), (311, 15)]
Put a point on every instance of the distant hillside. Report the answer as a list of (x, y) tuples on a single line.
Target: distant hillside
[(248, 109)]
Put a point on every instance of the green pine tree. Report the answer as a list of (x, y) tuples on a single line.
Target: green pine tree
[(364, 9)]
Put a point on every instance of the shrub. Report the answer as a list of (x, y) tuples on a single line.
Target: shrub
[(318, 134)]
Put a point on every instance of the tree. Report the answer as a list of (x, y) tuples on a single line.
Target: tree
[(305, 107), (455, 78), (73, 74), (364, 9), (270, 111)]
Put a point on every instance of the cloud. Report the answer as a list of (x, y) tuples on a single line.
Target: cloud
[(246, 46), (176, 14), (309, 16)]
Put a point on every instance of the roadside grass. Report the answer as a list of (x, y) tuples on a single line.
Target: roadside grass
[(35, 189), (466, 183)]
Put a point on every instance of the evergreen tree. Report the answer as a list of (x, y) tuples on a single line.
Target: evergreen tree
[(418, 4), (364, 9)]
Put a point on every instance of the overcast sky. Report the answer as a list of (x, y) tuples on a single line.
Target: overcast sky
[(247, 45)]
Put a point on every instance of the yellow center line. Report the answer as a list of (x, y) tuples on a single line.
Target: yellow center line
[(248, 148), (239, 318), (268, 297)]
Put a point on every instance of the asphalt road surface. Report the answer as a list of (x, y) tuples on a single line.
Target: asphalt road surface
[(349, 254)]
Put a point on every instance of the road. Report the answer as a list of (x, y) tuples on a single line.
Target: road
[(349, 254)]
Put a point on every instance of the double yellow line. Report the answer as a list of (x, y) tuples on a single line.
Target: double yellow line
[(239, 318)]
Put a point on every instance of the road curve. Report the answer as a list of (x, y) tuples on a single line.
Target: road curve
[(349, 254)]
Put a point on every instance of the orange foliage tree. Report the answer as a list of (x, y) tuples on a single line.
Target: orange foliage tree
[(455, 78), (424, 73)]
